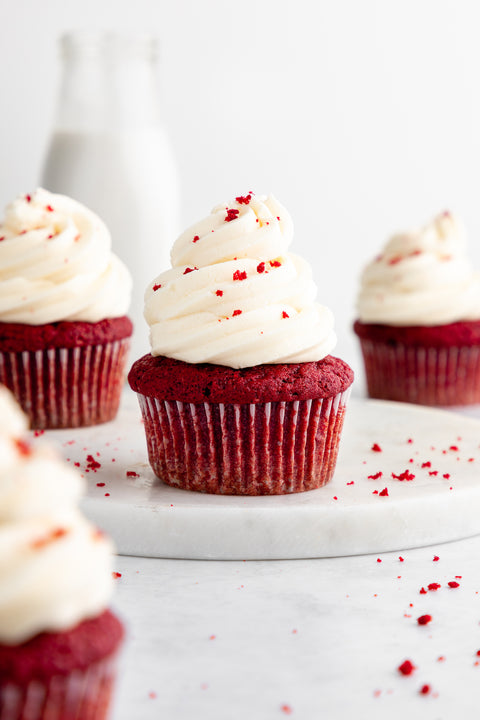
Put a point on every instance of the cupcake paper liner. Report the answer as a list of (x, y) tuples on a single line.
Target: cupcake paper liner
[(81, 695), (423, 375), (244, 449), (67, 387)]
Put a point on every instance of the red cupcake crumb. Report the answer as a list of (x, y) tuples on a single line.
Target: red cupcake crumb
[(424, 619), (453, 584), (406, 668), (434, 586), (232, 214), (376, 447), (424, 690), (376, 476)]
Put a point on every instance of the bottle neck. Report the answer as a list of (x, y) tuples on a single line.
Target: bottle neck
[(109, 83)]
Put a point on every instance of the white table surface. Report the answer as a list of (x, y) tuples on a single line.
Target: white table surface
[(306, 639)]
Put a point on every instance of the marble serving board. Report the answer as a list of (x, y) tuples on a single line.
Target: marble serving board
[(406, 477)]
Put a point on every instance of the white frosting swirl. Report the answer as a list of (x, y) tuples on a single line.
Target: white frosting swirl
[(421, 278), (56, 263), (235, 296), (55, 568)]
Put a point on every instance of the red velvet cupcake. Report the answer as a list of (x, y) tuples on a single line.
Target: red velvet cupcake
[(58, 641), (265, 430), (64, 335), (240, 395), (66, 374), (419, 318)]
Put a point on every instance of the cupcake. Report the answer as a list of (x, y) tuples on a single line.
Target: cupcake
[(419, 318), (58, 640), (240, 395), (64, 334)]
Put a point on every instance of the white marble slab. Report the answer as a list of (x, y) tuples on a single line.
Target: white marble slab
[(147, 518)]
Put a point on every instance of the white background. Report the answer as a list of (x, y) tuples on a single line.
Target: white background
[(363, 117)]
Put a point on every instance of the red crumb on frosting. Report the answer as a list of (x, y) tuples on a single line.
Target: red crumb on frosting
[(376, 447), (285, 314), (436, 558), (433, 472), (434, 586), (446, 476), (236, 312), (116, 575), (132, 473), (401, 559), (28, 198), (406, 475), (423, 591), (275, 263), (196, 238), (286, 709), (376, 476), (384, 492), (23, 447), (454, 448), (219, 293), (243, 199), (100, 484), (406, 668), (157, 287), (232, 214), (453, 584), (189, 270), (426, 464), (49, 208), (240, 275), (51, 537), (424, 690), (424, 619), (261, 267)]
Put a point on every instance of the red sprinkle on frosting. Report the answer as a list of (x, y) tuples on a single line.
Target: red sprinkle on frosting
[(285, 314), (240, 275), (376, 476), (189, 270), (157, 287), (232, 214), (261, 267), (275, 263), (424, 690), (434, 586), (236, 312), (49, 208), (453, 584), (131, 474), (196, 239), (384, 492), (116, 575), (23, 447), (219, 293), (376, 447), (243, 199)]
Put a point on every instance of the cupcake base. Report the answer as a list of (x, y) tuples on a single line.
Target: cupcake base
[(75, 380), (243, 448), (436, 366), (61, 675)]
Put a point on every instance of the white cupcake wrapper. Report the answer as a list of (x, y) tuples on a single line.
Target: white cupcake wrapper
[(245, 449)]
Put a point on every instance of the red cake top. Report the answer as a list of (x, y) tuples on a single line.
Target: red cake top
[(17, 337), (61, 653), (456, 334), (170, 379)]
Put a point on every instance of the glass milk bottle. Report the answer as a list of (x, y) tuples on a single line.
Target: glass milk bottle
[(109, 150)]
